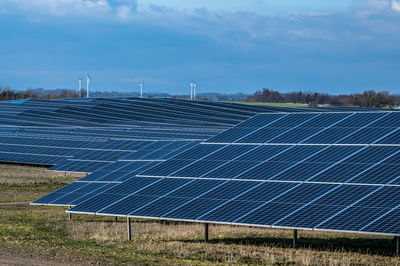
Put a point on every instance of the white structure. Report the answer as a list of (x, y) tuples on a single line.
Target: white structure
[(141, 89), (191, 90), (88, 78), (80, 88), (194, 91)]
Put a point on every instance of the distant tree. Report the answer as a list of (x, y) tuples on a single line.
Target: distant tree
[(368, 98), (6, 94)]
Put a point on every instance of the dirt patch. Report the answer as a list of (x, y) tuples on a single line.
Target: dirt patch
[(6, 260)]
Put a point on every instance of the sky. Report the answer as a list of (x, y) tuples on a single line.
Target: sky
[(341, 46)]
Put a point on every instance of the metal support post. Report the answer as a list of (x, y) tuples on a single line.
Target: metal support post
[(206, 232), (128, 221), (65, 174), (397, 245), (116, 219), (69, 215), (295, 238)]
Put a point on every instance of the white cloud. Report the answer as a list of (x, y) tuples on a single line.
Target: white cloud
[(39, 10), (395, 5), (372, 7), (59, 8), (124, 13), (241, 28)]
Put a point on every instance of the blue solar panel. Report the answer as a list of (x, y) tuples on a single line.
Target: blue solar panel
[(60, 193), (279, 204), (257, 168)]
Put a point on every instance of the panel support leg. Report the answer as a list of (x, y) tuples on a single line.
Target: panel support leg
[(295, 238), (397, 245), (128, 222), (206, 232), (65, 174), (116, 219), (69, 215)]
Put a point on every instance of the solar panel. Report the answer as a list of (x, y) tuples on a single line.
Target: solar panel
[(112, 172), (344, 182)]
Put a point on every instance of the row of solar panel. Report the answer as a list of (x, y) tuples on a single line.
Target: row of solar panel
[(30, 158), (89, 154), (118, 171), (109, 173), (39, 150), (281, 204), (100, 134), (111, 112), (78, 166), (48, 155), (316, 128), (158, 150), (74, 193), (355, 164), (49, 140)]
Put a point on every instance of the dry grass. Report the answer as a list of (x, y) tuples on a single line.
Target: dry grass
[(29, 235), (229, 244), (17, 174), (27, 183)]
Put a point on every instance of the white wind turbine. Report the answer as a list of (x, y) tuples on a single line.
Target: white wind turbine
[(88, 78), (194, 90), (191, 90), (141, 89), (80, 87)]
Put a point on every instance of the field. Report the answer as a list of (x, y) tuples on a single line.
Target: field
[(35, 235), (275, 104)]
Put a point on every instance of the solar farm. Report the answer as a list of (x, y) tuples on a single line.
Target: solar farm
[(296, 169)]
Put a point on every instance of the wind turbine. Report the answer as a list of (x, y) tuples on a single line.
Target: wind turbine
[(141, 89), (80, 88), (191, 90), (194, 90), (88, 78)]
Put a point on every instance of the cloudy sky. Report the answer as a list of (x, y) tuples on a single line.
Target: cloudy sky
[(327, 46)]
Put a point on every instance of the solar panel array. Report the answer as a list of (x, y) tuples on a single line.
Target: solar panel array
[(113, 139), (317, 171), (302, 168), (110, 174), (48, 132), (101, 161)]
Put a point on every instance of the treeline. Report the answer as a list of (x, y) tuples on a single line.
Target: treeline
[(7, 94), (368, 98)]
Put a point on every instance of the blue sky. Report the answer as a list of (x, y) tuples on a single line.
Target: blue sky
[(340, 46)]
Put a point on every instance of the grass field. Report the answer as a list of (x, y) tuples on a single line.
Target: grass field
[(35, 235), (275, 104)]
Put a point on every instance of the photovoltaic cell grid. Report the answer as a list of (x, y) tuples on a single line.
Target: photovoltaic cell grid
[(277, 204), (136, 112), (62, 132), (266, 172), (112, 172), (189, 114), (55, 151), (153, 119)]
